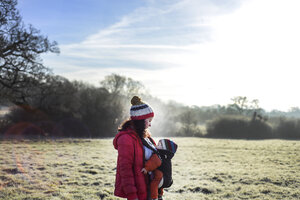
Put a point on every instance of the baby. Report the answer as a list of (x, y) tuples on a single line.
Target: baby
[(159, 163)]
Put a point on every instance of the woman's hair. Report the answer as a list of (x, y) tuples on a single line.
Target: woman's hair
[(138, 125)]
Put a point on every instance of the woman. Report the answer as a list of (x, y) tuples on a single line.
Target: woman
[(130, 182)]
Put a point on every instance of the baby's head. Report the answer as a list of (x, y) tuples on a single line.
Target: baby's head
[(166, 144)]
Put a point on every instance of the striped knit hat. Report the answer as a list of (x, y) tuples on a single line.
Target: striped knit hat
[(168, 145), (140, 110)]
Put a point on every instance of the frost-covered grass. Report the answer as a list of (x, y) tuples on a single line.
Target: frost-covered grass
[(202, 169)]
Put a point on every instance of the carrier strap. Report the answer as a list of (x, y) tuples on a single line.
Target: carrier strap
[(150, 147)]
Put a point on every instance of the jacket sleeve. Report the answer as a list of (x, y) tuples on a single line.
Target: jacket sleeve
[(153, 163), (126, 163)]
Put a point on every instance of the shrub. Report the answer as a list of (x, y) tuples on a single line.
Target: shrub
[(189, 131), (4, 123), (238, 128), (258, 129), (288, 129), (25, 114), (71, 127), (22, 122)]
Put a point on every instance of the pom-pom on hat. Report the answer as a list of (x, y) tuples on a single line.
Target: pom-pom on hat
[(168, 145), (139, 109)]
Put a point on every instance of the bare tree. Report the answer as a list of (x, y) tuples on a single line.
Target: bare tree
[(240, 104), (134, 87), (20, 48), (255, 104), (121, 85), (114, 83)]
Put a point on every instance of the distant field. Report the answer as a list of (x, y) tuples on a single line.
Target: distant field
[(203, 169)]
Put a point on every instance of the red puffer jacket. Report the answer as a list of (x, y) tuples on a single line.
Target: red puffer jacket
[(130, 183)]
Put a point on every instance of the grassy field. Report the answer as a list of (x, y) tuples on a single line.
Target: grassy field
[(202, 169)]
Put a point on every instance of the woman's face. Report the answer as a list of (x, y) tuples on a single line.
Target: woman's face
[(148, 122)]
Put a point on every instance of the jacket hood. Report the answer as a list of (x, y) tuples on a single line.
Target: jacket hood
[(129, 132)]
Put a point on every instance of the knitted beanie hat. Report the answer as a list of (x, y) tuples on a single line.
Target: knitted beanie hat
[(139, 109), (168, 145)]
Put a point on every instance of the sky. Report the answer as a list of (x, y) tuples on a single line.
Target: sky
[(196, 52)]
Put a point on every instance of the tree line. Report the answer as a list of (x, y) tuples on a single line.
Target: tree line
[(43, 104)]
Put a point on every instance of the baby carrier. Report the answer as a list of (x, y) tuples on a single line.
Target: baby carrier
[(165, 154)]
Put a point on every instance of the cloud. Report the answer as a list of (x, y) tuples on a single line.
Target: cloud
[(150, 37), (200, 52), (151, 44)]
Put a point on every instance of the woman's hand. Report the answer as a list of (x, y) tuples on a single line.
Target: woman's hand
[(144, 171)]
